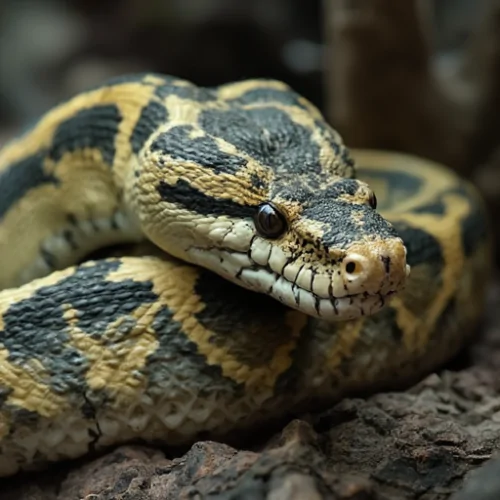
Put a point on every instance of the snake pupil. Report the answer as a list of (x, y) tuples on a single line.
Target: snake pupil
[(269, 222), (373, 201), (350, 267)]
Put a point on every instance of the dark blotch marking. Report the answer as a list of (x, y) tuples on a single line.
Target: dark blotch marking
[(266, 134), (475, 226), (341, 188), (426, 260), (201, 150), (437, 207), (192, 92), (186, 196), (94, 127), (250, 325), (400, 185), (25, 417), (385, 321), (422, 247), (286, 97), (174, 346), (288, 380), (36, 329), (342, 227), (21, 177), (340, 150), (152, 116)]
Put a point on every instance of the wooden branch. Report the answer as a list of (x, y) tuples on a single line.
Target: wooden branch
[(483, 67), (380, 82)]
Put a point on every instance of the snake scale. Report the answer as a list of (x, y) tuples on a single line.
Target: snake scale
[(271, 271)]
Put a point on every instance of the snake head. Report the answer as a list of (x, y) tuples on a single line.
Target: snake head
[(259, 189)]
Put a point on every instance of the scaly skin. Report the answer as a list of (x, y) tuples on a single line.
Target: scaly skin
[(225, 325)]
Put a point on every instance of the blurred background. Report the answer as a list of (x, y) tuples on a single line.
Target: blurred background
[(421, 76), (50, 49)]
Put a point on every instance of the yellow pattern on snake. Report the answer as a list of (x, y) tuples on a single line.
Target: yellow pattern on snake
[(273, 283)]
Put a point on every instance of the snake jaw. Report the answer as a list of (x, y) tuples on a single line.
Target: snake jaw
[(321, 290)]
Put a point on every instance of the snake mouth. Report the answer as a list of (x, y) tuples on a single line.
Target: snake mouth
[(345, 308), (240, 269)]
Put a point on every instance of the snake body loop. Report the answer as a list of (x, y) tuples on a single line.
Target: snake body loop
[(273, 270)]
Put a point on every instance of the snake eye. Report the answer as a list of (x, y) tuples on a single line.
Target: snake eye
[(372, 200), (269, 222)]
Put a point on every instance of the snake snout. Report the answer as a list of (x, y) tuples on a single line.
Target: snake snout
[(375, 268)]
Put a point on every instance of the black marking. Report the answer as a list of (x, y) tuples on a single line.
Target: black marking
[(161, 366), (386, 260), (346, 223), (94, 127), (400, 185), (346, 159), (262, 94), (422, 247), (186, 196), (437, 207), (20, 178), (346, 163), (4, 394), (257, 322), (24, 417), (204, 151), (267, 134), (152, 116), (88, 411), (288, 381), (250, 246), (475, 225), (185, 90), (309, 191), (35, 328), (334, 304), (316, 304)]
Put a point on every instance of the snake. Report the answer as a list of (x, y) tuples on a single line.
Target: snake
[(182, 262)]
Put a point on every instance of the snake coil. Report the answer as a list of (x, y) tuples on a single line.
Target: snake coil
[(272, 270)]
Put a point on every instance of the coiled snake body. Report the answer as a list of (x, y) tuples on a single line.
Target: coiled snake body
[(272, 283)]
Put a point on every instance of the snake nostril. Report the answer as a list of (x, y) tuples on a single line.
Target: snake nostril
[(353, 267)]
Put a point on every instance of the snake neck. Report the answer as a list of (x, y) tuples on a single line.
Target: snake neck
[(62, 184)]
